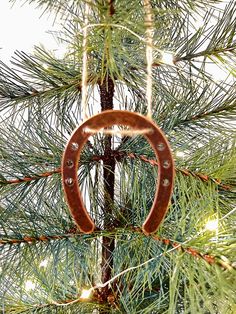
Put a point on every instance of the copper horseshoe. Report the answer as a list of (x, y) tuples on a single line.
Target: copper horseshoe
[(158, 142)]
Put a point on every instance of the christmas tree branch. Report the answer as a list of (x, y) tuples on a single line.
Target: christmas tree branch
[(206, 53), (210, 259), (14, 86), (73, 233), (120, 156), (28, 179), (42, 238), (203, 177), (27, 96), (175, 246), (214, 112), (92, 304)]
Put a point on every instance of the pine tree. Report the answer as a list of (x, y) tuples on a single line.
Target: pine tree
[(188, 264)]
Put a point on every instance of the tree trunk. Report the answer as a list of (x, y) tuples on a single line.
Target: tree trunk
[(108, 245)]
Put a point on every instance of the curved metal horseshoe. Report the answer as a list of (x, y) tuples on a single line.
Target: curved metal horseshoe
[(162, 151)]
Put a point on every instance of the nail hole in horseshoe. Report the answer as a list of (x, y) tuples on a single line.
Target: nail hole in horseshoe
[(74, 146), (160, 146), (69, 163), (166, 164), (69, 181), (165, 182)]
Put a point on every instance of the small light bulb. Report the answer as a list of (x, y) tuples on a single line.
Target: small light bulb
[(167, 57), (43, 263), (212, 225), (29, 285), (85, 294)]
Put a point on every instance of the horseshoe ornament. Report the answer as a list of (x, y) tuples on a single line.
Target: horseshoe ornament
[(156, 139)]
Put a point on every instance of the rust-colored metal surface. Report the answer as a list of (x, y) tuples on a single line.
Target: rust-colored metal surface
[(157, 140)]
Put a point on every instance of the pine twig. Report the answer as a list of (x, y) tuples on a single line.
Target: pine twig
[(42, 238), (28, 179), (205, 53), (210, 259), (203, 177), (119, 156)]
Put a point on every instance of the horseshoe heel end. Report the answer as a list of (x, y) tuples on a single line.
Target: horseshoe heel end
[(86, 227), (82, 219), (154, 219), (150, 227)]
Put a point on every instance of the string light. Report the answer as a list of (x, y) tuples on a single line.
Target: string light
[(29, 285), (212, 225), (85, 294), (229, 213), (167, 57)]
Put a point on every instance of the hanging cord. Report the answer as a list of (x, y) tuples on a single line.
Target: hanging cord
[(149, 54), (149, 61), (84, 90)]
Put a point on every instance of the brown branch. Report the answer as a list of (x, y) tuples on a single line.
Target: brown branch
[(201, 176), (42, 238), (210, 259), (28, 179), (120, 156), (107, 88), (111, 7)]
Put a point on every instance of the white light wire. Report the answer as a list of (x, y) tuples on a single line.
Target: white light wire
[(102, 285)]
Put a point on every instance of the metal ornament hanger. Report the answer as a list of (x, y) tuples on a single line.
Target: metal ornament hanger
[(159, 144)]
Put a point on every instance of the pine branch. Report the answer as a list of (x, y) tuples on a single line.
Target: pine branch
[(28, 179), (119, 156), (16, 91), (210, 259), (186, 172), (74, 233), (70, 306), (42, 238), (11, 99), (206, 53), (220, 40), (214, 112)]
